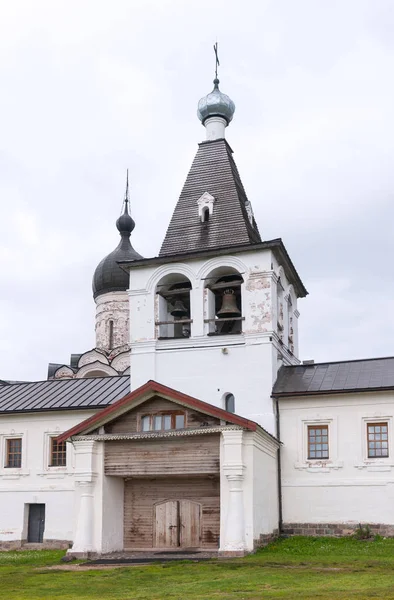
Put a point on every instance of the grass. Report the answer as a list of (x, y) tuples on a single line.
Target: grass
[(319, 568)]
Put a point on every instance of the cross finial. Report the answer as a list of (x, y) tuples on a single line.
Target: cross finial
[(127, 197), (217, 63)]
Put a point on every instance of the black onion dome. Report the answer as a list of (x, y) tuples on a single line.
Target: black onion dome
[(108, 276)]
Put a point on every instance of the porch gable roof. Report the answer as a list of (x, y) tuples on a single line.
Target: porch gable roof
[(144, 393)]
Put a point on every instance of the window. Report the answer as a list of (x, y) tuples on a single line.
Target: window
[(229, 403), (58, 453), (317, 442), (13, 453), (111, 335), (163, 421), (377, 438)]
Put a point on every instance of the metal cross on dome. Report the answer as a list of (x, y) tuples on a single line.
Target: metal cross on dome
[(215, 48)]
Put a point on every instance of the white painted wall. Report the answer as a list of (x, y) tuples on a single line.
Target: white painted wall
[(35, 482), (349, 487), (204, 366)]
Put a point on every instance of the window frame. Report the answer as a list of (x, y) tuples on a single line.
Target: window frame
[(51, 465), (318, 427), (8, 441), (377, 423), (161, 413)]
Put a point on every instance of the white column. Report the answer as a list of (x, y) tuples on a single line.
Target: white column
[(86, 466), (232, 537), (235, 525), (83, 540)]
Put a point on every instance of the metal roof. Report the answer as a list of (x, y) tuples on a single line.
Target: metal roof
[(213, 171), (335, 377), (66, 394)]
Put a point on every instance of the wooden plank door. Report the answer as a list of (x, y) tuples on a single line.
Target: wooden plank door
[(36, 524), (190, 524), (167, 524)]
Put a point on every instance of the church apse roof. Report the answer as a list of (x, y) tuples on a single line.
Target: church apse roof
[(373, 374)]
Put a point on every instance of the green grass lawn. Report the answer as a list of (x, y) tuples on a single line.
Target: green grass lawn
[(292, 568)]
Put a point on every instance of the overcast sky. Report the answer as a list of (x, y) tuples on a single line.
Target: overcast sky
[(90, 88)]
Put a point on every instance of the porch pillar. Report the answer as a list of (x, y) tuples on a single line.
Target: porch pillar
[(85, 477), (232, 539), (83, 539)]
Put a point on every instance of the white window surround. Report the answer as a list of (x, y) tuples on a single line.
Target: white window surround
[(12, 472), (55, 472), (379, 463), (317, 465), (205, 202)]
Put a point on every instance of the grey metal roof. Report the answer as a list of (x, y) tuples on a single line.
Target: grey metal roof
[(94, 392), (335, 377), (213, 171)]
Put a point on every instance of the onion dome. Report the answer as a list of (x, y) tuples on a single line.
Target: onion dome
[(216, 104), (108, 276)]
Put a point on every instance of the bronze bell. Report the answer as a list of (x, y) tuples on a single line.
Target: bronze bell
[(229, 307), (179, 311)]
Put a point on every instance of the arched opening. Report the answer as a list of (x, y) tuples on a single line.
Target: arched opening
[(224, 302), (173, 307), (229, 403), (205, 214)]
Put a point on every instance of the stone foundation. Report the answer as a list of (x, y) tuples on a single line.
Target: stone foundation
[(335, 529), (45, 545), (265, 539)]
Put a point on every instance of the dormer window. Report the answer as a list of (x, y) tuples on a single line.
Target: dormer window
[(224, 303), (205, 206), (162, 421), (173, 297)]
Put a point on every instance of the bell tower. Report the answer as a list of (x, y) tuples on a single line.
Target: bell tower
[(215, 314)]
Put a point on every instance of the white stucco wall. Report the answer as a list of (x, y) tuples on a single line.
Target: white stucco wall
[(114, 307), (35, 482), (349, 487), (205, 366)]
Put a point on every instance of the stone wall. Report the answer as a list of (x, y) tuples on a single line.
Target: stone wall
[(335, 529)]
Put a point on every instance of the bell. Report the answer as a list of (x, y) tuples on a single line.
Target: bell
[(179, 310), (229, 307)]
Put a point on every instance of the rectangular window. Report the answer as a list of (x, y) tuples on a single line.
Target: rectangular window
[(378, 442), (317, 442), (162, 422), (58, 454), (13, 453)]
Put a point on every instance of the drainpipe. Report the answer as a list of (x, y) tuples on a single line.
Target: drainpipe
[(280, 504)]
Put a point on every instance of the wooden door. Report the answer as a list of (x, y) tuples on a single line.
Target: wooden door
[(36, 524), (190, 524), (167, 524)]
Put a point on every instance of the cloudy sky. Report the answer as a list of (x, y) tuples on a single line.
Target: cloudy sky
[(90, 88)]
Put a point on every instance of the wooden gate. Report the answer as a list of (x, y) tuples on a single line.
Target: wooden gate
[(178, 524)]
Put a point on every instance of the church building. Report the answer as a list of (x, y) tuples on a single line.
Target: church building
[(192, 423)]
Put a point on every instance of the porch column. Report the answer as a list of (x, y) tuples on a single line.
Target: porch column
[(233, 532), (85, 477), (83, 539)]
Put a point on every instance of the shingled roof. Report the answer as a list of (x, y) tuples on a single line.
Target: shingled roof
[(374, 374), (66, 394), (213, 171)]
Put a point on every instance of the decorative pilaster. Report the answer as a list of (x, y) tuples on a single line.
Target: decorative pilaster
[(233, 532)]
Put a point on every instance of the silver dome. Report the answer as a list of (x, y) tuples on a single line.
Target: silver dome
[(216, 104)]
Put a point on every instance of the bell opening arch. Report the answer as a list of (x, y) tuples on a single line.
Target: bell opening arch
[(223, 301), (173, 307)]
